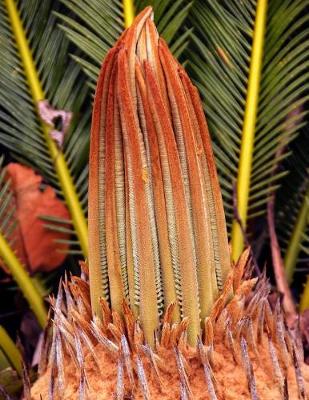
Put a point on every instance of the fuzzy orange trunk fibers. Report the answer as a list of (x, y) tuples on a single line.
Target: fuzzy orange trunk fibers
[(161, 313)]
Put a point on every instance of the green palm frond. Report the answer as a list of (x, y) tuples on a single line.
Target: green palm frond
[(10, 350), (220, 64), (293, 205), (219, 53), (8, 223), (36, 65), (305, 243), (95, 25)]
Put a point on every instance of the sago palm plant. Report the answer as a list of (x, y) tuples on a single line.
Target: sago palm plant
[(159, 255), (161, 309)]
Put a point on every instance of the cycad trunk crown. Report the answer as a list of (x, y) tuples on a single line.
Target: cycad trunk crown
[(157, 236)]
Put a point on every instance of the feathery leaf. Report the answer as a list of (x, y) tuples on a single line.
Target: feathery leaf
[(7, 255), (27, 76), (293, 204), (10, 350), (220, 65), (96, 25)]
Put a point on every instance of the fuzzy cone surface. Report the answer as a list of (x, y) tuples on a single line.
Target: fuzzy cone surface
[(162, 313)]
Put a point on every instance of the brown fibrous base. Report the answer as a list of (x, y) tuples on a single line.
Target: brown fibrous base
[(245, 351)]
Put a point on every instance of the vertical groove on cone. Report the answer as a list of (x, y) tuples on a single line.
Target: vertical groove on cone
[(156, 221)]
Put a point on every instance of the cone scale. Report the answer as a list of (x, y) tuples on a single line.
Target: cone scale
[(160, 311)]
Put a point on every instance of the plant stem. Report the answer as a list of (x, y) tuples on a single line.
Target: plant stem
[(293, 248), (128, 11), (10, 350), (278, 265), (65, 179), (247, 142), (24, 281)]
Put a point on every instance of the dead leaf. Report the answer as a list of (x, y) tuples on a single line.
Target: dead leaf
[(50, 115), (33, 242)]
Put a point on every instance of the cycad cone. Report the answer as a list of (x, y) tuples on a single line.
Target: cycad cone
[(158, 242)]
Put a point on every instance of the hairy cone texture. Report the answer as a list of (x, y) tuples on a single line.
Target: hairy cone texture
[(156, 220), (165, 315)]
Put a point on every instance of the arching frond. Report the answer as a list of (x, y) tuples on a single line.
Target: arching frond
[(7, 207), (293, 205), (95, 26), (10, 350), (35, 66), (7, 255), (220, 63)]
